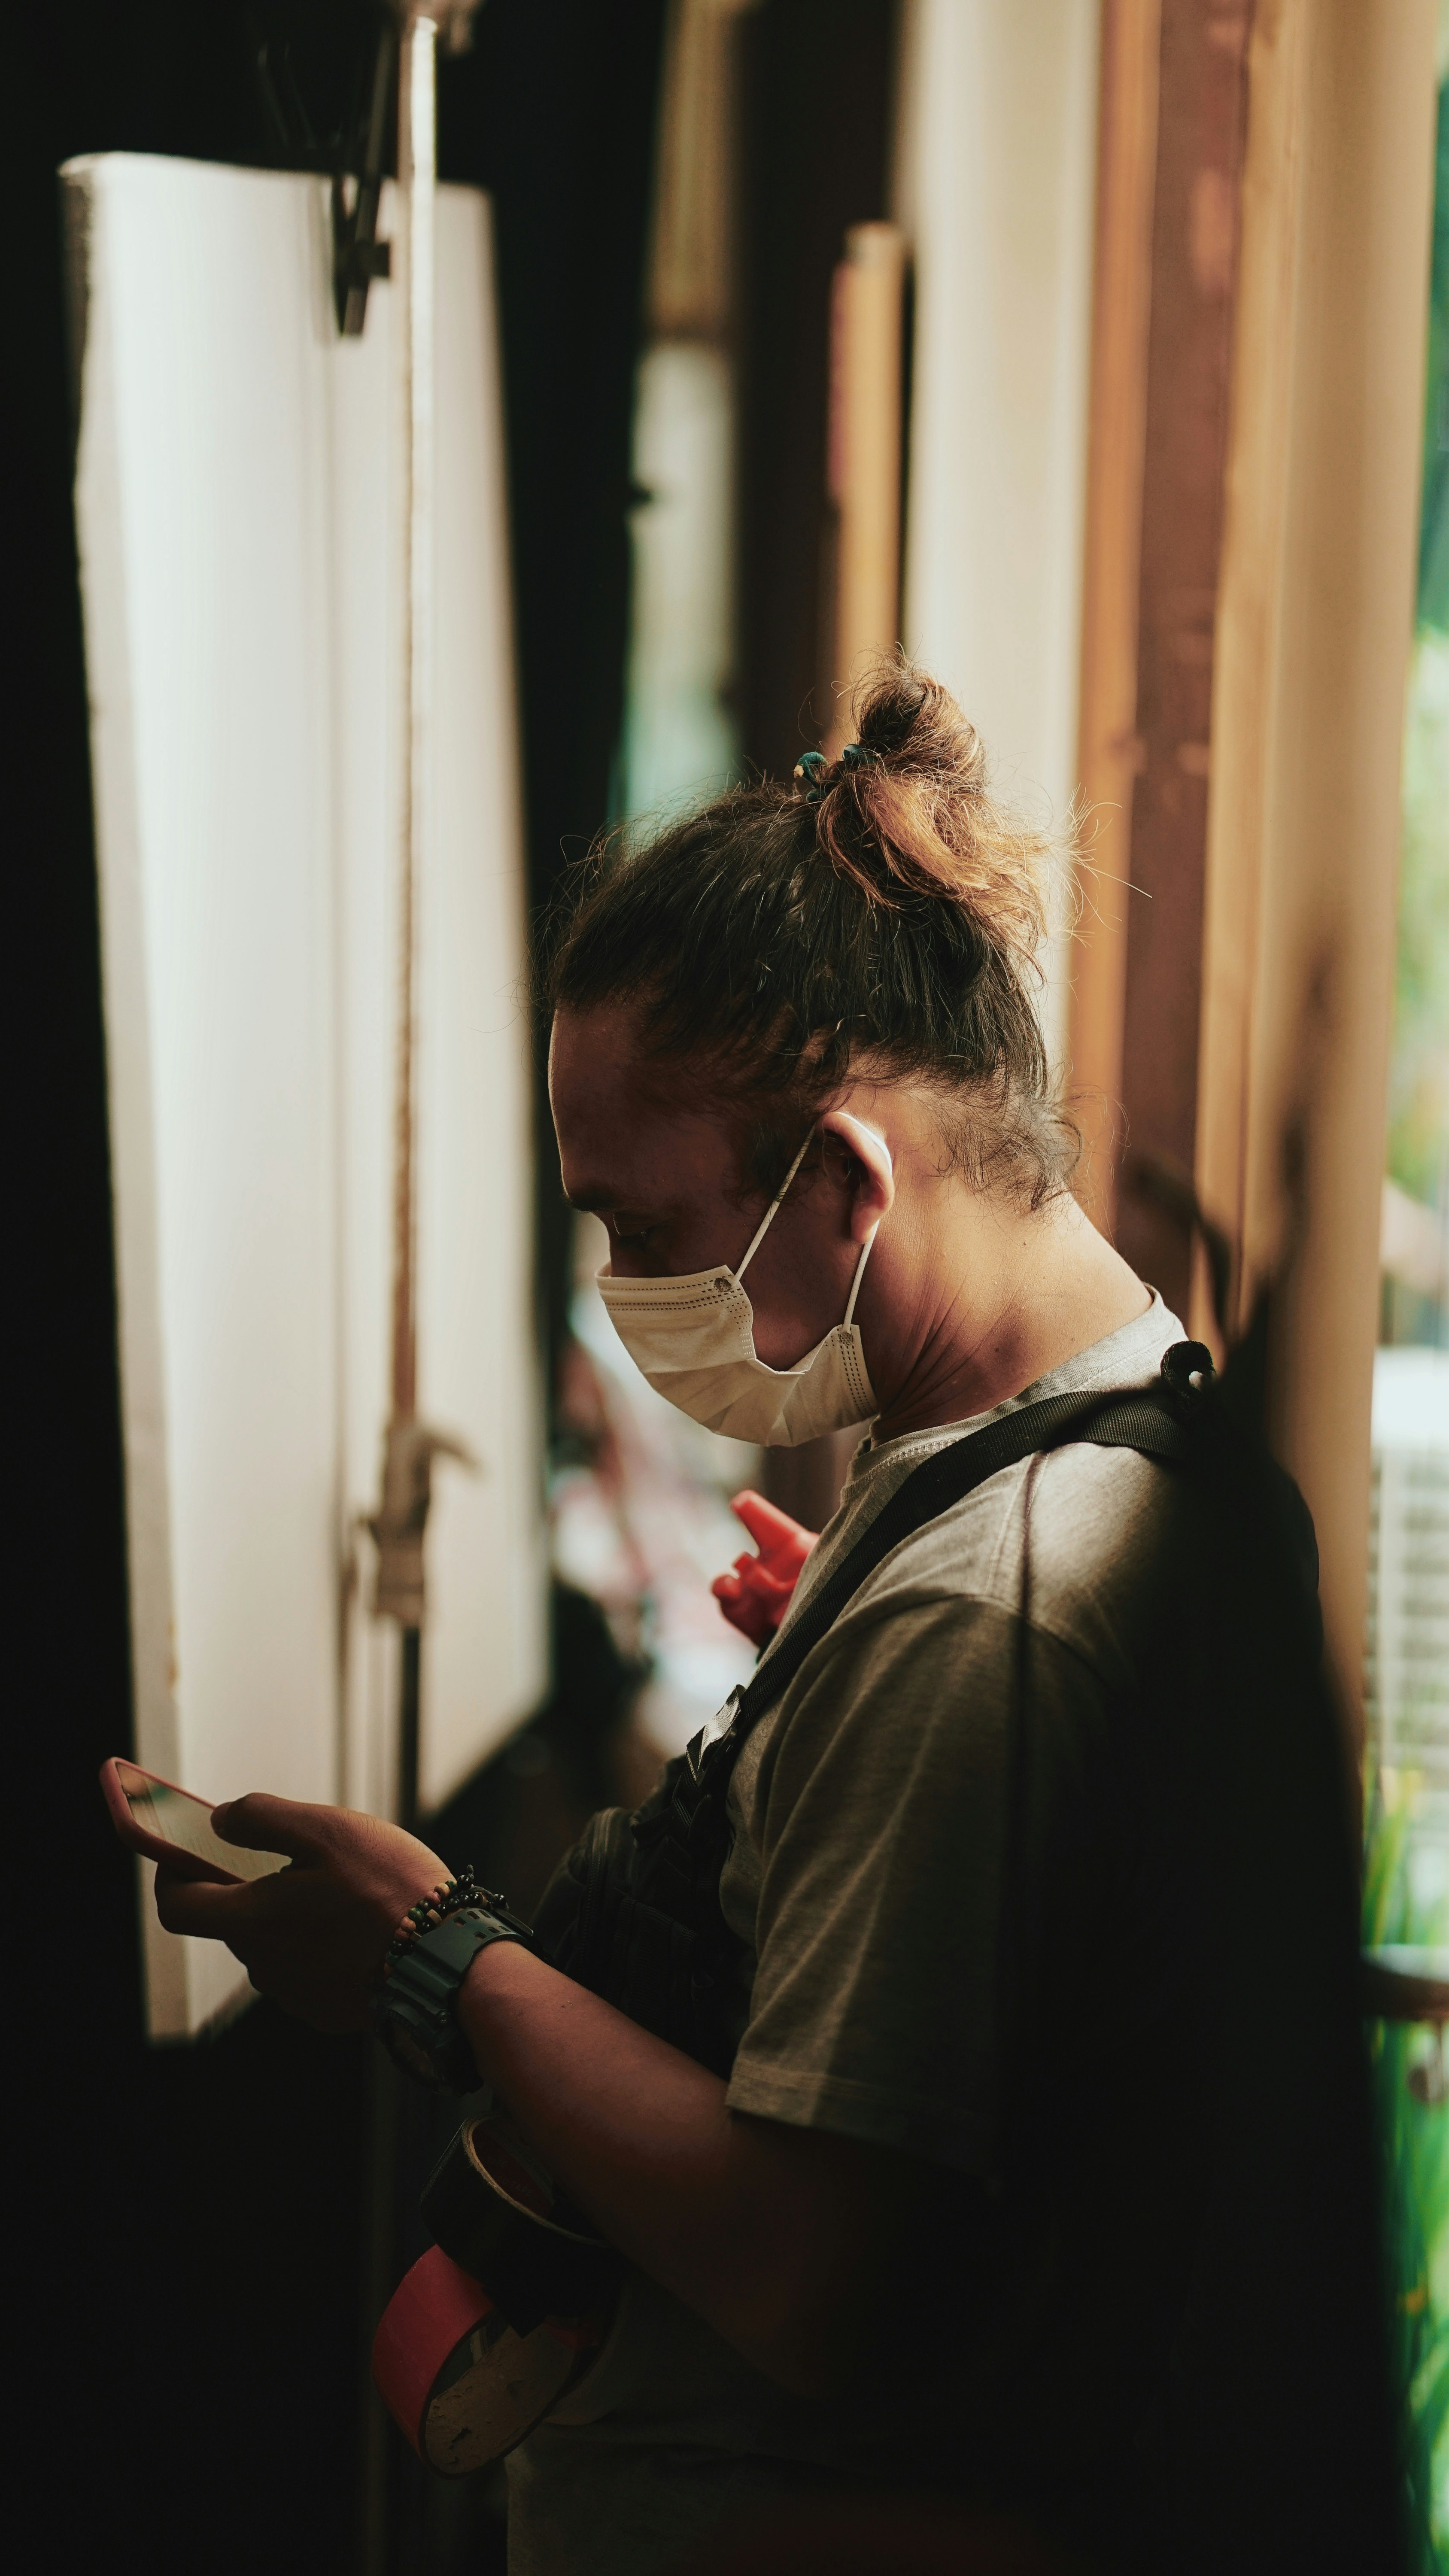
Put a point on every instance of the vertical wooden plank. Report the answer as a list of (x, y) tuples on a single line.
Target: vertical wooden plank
[(816, 102), (864, 463), (995, 185), (1108, 749), (1317, 596), (1200, 137), (486, 1661), (1250, 606), (816, 99)]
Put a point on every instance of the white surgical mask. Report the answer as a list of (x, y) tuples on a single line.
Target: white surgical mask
[(694, 1339)]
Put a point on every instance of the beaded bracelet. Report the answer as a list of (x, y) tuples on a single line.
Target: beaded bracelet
[(430, 1911)]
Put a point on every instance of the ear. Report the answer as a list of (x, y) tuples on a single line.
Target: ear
[(874, 1185)]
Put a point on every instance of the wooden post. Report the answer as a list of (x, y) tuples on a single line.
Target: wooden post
[(864, 461), (1313, 631), (859, 618), (1108, 747), (1201, 120)]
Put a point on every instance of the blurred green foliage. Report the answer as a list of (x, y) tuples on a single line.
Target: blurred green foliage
[(1418, 1140), (1413, 2132), (1419, 1082)]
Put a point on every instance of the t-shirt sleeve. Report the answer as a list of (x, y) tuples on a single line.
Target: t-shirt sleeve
[(880, 1813)]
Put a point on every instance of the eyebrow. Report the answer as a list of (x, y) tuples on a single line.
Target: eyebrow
[(594, 1198)]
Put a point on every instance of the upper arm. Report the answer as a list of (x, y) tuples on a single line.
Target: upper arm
[(846, 2242), (884, 1813)]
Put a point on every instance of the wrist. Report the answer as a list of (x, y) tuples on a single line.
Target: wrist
[(449, 1897), (414, 2004), (496, 1975)]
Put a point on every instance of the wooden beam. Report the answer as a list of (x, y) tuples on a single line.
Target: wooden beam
[(1202, 115), (866, 385), (817, 84), (1108, 750), (1313, 630)]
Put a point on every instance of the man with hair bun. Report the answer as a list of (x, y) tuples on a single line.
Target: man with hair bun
[(998, 2128)]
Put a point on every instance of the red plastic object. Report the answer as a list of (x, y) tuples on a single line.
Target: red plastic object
[(755, 1595), (433, 2307)]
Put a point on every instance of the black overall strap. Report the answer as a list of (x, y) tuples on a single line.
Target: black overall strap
[(1148, 1421), (681, 1835)]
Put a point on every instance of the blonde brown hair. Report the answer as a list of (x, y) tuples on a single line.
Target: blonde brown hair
[(886, 913)]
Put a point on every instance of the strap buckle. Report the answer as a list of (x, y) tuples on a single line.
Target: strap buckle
[(714, 1731)]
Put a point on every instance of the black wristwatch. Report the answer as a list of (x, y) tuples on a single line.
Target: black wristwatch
[(413, 2007)]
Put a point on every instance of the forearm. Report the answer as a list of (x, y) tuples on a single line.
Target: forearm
[(743, 2221), (766, 2230)]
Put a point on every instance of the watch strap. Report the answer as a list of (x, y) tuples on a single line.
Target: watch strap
[(414, 2007)]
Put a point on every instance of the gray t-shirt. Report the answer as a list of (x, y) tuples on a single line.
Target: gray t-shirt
[(865, 1885)]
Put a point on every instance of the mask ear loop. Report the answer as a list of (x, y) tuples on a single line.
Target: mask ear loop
[(859, 1275), (773, 1210)]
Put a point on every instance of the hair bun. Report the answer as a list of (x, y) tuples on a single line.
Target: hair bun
[(909, 721), (889, 711), (914, 818)]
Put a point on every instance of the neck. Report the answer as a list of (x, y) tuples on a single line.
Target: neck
[(981, 1300)]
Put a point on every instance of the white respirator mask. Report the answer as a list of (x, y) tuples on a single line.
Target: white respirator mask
[(694, 1340)]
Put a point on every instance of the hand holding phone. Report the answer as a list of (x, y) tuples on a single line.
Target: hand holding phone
[(306, 1897), (172, 1827)]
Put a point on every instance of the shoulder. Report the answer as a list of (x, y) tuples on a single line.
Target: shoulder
[(1083, 1542)]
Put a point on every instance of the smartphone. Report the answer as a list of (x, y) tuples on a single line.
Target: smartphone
[(169, 1825)]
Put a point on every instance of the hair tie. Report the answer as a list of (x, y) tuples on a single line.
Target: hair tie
[(813, 769)]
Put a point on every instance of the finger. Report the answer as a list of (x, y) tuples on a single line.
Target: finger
[(198, 1905), (260, 1822), (726, 1587)]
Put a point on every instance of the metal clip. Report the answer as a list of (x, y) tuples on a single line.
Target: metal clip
[(357, 254), (714, 1731), (399, 1522), (351, 157)]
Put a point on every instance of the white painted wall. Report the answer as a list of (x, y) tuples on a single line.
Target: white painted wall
[(995, 177), (487, 1564), (483, 1665), (235, 508)]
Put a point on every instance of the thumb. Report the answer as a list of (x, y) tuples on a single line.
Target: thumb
[(260, 1822)]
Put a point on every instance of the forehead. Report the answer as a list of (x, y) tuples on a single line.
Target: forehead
[(628, 1133)]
